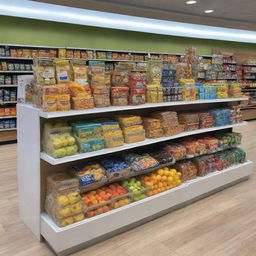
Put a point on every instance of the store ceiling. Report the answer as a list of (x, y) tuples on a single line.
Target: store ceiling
[(227, 13)]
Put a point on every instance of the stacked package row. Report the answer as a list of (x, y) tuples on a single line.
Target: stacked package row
[(64, 139), (63, 201), (79, 84), (65, 205)]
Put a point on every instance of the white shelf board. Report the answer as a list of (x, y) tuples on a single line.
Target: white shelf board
[(14, 58), (8, 85), (7, 102), (8, 129), (133, 107), (17, 71), (63, 240), (53, 161), (6, 117)]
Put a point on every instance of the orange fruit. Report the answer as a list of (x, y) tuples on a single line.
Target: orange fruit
[(89, 214)]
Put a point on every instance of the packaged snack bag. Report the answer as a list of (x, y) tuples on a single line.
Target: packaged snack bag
[(119, 96), (119, 78), (62, 53), (70, 54), (49, 98), (137, 96), (58, 140), (44, 72), (62, 71), (77, 54), (63, 102), (90, 175), (82, 102), (80, 72)]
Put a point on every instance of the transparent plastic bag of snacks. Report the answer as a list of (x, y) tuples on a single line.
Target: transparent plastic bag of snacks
[(151, 123), (44, 72), (140, 162), (65, 207), (59, 182), (176, 150), (87, 130), (128, 120), (137, 80), (79, 90), (54, 204), (162, 156), (154, 71), (89, 145), (91, 175), (114, 142), (58, 141), (137, 96), (119, 96), (115, 167), (63, 71), (134, 137), (187, 169), (101, 97), (82, 102), (119, 78), (156, 133), (79, 72)]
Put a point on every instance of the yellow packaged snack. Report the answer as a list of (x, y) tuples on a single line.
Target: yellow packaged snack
[(62, 53), (63, 102), (49, 103), (132, 129), (80, 72), (78, 89), (82, 102), (48, 95), (134, 137), (97, 81), (63, 88), (62, 71), (129, 120)]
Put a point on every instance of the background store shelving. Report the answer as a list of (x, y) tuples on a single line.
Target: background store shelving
[(19, 59)]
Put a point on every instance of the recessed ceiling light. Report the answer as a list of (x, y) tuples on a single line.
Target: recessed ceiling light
[(208, 11), (191, 2)]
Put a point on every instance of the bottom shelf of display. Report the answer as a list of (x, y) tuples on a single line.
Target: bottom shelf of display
[(84, 233)]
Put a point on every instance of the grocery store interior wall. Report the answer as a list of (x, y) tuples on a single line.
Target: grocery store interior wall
[(34, 32)]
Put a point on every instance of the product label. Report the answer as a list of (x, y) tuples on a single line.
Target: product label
[(48, 73), (63, 75)]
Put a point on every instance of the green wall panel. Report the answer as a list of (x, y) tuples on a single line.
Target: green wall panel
[(35, 32)]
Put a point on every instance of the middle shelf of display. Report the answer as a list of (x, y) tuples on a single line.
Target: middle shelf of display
[(54, 161)]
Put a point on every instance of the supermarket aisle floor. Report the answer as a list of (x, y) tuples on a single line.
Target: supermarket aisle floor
[(223, 224)]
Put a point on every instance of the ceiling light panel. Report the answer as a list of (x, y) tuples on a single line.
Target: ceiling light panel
[(50, 12)]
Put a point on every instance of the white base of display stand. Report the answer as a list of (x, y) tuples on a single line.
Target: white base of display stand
[(84, 233)]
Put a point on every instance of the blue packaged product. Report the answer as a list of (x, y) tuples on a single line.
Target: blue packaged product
[(87, 130), (85, 145), (90, 175), (6, 95), (221, 116), (7, 124), (12, 124), (1, 124), (115, 167)]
